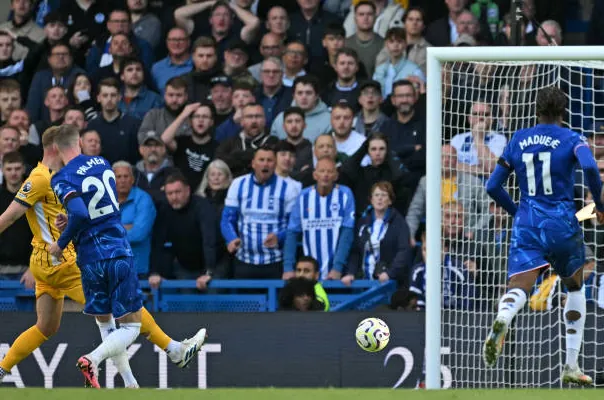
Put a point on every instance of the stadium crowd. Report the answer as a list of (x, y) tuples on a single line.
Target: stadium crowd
[(246, 134)]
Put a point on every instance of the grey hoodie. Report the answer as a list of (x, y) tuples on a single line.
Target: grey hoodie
[(318, 121)]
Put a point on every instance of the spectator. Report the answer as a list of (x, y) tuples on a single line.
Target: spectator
[(9, 67), (316, 113), (271, 46), (215, 184), (549, 34), (15, 241), (417, 45), (118, 22), (467, 24), (382, 249), (365, 42), (120, 47), (10, 98), (90, 143), (477, 155), (298, 294), (152, 171), (22, 24), (370, 118), (243, 94), (458, 290), (417, 208), (238, 151), (118, 131), (397, 67), (294, 125), (285, 159), (145, 25), (192, 154), (443, 32), (75, 117), (254, 231), (272, 94), (9, 142), (184, 237), (325, 146), (308, 24), (295, 58), (324, 216), (277, 22), (407, 133), (205, 60), (337, 7), (307, 267), (347, 140), (86, 21), (223, 25), (388, 15), (175, 99), (221, 93), (346, 86), (137, 215), (236, 56), (80, 94), (62, 73), (55, 31), (178, 61), (136, 98), (56, 103), (20, 119), (382, 168)]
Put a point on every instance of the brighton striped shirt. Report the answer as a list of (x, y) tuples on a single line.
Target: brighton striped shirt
[(253, 211), (320, 220)]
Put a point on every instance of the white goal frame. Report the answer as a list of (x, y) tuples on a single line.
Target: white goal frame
[(434, 136)]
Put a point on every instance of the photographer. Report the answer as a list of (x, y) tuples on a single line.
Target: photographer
[(381, 249)]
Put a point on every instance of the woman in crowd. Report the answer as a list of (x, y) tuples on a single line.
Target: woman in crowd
[(381, 249)]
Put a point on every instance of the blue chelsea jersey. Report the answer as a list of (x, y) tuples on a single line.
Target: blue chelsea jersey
[(102, 236), (544, 160)]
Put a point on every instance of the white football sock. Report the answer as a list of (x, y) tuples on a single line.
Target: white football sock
[(121, 360), (116, 342), (575, 303), (174, 350), (510, 304)]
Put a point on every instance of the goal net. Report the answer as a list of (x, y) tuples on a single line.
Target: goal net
[(483, 104)]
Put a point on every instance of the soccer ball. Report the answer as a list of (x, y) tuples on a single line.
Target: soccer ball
[(372, 334)]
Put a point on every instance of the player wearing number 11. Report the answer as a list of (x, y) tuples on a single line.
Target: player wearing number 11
[(86, 188), (544, 159)]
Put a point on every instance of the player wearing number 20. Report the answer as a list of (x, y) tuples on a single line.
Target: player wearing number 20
[(86, 188), (544, 158)]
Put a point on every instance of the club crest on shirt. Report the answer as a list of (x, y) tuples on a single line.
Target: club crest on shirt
[(335, 207), (27, 187), (271, 202)]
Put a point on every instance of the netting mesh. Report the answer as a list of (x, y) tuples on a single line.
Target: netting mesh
[(483, 105)]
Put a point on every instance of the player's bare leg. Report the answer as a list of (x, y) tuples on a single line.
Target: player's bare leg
[(574, 321), (115, 343), (49, 311), (509, 305)]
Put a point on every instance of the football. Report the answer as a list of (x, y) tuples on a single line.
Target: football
[(372, 334)]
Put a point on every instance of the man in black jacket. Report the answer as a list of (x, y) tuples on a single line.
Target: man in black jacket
[(184, 236)]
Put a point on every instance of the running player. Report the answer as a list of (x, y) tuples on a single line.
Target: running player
[(545, 231), (56, 279)]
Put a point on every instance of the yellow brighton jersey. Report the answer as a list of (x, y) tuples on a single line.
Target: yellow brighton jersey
[(43, 207)]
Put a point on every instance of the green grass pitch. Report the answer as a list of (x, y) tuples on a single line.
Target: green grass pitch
[(294, 394)]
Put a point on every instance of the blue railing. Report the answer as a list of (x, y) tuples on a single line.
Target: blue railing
[(223, 295)]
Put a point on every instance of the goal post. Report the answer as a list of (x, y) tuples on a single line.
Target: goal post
[(502, 58)]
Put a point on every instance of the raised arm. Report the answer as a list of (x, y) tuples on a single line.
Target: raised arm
[(592, 174), (251, 23), (170, 133), (184, 15)]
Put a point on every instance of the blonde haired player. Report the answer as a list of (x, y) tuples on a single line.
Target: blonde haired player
[(56, 278)]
